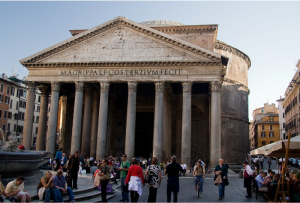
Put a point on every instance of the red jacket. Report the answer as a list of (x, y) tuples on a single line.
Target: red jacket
[(135, 170)]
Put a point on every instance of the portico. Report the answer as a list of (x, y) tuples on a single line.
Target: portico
[(120, 71)]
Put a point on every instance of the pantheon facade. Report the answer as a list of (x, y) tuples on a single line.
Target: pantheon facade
[(155, 88)]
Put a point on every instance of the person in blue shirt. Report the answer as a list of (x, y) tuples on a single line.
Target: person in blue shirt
[(58, 158), (60, 186), (260, 181)]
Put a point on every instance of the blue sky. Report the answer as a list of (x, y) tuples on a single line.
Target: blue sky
[(268, 32)]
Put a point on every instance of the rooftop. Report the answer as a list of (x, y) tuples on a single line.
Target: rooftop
[(160, 23)]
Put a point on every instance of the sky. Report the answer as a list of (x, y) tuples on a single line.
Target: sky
[(268, 32)]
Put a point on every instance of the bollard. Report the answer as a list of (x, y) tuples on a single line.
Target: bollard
[(241, 174)]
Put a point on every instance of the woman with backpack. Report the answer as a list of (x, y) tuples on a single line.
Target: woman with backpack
[(153, 177)]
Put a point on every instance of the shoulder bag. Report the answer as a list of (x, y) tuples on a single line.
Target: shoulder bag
[(105, 177)]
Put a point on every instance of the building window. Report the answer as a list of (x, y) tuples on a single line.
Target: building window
[(9, 115), (284, 136), (8, 126), (21, 93), (12, 91), (6, 100), (1, 87), (11, 103), (7, 89), (263, 142), (0, 113), (21, 116), (1, 98), (39, 99), (38, 108), (263, 127), (271, 127), (283, 115), (20, 129), (18, 93), (3, 127), (36, 130), (37, 119), (17, 105), (263, 134), (271, 134), (5, 114), (283, 125), (15, 127)]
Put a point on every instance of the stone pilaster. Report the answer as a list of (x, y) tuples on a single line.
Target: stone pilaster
[(215, 122), (52, 125), (186, 141), (87, 120), (102, 125), (27, 132), (131, 118), (158, 120), (77, 117), (93, 143), (42, 127)]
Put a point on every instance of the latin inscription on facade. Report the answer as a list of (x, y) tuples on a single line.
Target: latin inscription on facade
[(121, 72)]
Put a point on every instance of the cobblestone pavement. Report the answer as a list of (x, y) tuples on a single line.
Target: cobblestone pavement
[(234, 192)]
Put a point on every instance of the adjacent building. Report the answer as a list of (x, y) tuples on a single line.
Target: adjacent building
[(291, 105), (281, 118), (265, 127)]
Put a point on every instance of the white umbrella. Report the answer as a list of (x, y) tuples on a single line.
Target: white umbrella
[(261, 150), (278, 148)]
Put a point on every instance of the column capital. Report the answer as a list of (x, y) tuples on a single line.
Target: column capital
[(215, 86), (104, 86), (88, 90), (64, 98), (31, 85), (187, 87), (79, 86), (55, 86), (96, 96), (43, 89), (159, 86), (132, 86)]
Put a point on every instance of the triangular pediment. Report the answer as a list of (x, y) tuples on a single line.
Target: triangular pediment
[(122, 40)]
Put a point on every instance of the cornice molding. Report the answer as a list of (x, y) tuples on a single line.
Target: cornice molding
[(122, 64), (235, 51), (118, 22), (186, 28), (236, 83)]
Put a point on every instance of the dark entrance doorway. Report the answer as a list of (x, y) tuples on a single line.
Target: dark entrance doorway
[(144, 134)]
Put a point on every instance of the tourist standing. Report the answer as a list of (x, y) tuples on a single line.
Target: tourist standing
[(16, 189), (223, 170), (60, 186), (269, 162), (199, 174), (124, 167), (154, 171), (262, 163), (73, 168), (104, 170), (172, 171), (58, 158), (162, 165), (135, 179), (248, 178)]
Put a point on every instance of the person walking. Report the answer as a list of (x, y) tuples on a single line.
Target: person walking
[(104, 170), (172, 171), (269, 162), (58, 158), (154, 172), (248, 178), (124, 167), (199, 174), (73, 168), (135, 179), (221, 168)]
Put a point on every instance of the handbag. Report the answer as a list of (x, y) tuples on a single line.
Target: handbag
[(226, 182), (105, 177), (68, 177), (148, 178), (97, 180)]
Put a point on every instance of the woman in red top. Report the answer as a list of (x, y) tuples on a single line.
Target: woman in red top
[(135, 179)]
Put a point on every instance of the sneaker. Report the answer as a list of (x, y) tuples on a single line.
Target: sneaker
[(220, 198), (121, 200), (72, 201)]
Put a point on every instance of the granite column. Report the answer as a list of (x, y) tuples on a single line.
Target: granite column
[(102, 125), (93, 143), (77, 117), (41, 136), (158, 120), (52, 125), (130, 121)]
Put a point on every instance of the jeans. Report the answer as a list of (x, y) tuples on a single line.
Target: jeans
[(169, 196), (134, 196), (162, 172), (152, 194), (200, 178), (60, 194), (222, 189), (125, 195)]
